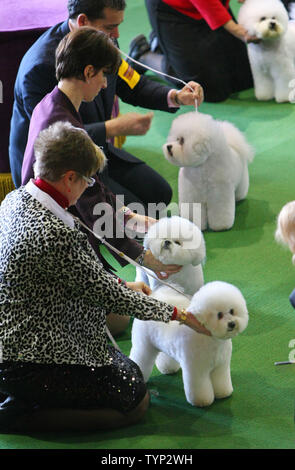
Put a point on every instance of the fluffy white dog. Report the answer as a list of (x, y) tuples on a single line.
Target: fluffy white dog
[(213, 156), (175, 240), (205, 360), (273, 59)]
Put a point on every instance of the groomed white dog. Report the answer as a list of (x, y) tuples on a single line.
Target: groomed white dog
[(205, 360), (175, 240), (273, 58), (214, 157)]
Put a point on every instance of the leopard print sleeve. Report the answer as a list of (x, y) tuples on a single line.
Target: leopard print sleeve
[(76, 265)]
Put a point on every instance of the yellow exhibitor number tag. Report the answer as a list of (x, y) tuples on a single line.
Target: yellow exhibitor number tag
[(128, 74)]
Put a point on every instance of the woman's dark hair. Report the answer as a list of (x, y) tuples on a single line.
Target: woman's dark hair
[(82, 47), (93, 9)]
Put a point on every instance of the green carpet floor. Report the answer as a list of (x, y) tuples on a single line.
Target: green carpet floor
[(260, 413)]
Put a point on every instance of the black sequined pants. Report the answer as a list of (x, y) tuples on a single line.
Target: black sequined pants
[(119, 386)]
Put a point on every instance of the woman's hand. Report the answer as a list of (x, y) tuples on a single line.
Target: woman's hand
[(129, 124), (192, 322), (139, 287), (163, 271), (139, 223), (189, 94), (240, 32)]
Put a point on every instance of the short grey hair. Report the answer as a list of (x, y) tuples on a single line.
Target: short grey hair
[(62, 147)]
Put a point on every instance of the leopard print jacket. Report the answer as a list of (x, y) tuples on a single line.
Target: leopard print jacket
[(54, 292)]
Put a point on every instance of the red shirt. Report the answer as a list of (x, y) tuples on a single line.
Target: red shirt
[(54, 193), (212, 11)]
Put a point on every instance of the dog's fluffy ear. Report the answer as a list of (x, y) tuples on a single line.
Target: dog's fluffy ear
[(202, 149), (200, 260), (201, 252), (201, 319)]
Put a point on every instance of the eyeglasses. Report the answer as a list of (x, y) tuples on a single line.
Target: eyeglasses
[(89, 180)]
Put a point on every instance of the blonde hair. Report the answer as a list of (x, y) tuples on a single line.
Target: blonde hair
[(101, 158), (285, 231)]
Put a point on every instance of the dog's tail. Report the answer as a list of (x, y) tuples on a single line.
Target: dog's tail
[(237, 141)]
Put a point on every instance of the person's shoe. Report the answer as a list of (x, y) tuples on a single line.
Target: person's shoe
[(137, 47), (154, 43)]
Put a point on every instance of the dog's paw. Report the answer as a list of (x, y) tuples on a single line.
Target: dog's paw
[(220, 227), (262, 96), (223, 393), (201, 397), (202, 402), (282, 99)]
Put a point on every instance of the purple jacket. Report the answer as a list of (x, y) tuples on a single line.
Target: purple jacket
[(56, 106)]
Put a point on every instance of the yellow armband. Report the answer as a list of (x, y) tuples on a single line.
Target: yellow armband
[(128, 74)]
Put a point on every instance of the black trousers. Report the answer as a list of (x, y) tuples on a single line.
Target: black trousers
[(139, 183), (119, 386), (192, 51)]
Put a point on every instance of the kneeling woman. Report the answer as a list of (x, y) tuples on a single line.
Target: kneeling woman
[(58, 370)]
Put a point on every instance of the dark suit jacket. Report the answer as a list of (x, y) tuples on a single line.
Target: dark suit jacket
[(36, 78)]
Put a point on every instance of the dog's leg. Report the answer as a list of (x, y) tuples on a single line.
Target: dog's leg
[(144, 357), (282, 81), (143, 353), (263, 86), (197, 386), (243, 186), (191, 198), (166, 365), (221, 207), (221, 381)]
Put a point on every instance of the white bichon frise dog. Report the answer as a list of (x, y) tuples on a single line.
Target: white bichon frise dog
[(204, 360), (273, 58), (175, 240), (213, 156)]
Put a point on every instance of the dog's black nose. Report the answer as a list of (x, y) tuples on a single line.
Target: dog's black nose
[(167, 243), (272, 25), (231, 325), (169, 149)]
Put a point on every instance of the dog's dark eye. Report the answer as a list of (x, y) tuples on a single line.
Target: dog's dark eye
[(220, 315), (181, 140), (263, 18), (232, 312), (177, 243)]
